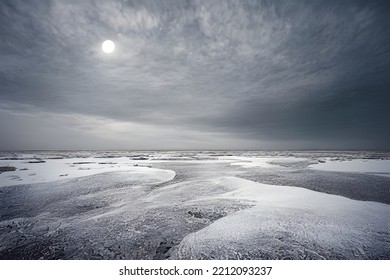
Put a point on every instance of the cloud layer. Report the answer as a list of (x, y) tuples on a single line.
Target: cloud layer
[(195, 75)]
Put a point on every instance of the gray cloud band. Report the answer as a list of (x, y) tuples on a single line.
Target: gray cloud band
[(289, 72)]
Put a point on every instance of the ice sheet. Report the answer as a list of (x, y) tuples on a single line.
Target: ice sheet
[(60, 169), (267, 162), (190, 205), (292, 223), (378, 167)]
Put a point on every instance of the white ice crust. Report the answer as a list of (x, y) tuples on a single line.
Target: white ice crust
[(60, 169), (378, 167), (291, 218)]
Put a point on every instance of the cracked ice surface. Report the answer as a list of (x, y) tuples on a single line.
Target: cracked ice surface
[(193, 205)]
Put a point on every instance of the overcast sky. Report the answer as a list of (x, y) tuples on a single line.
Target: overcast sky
[(195, 75)]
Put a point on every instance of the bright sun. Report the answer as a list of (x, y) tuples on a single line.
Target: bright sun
[(108, 46)]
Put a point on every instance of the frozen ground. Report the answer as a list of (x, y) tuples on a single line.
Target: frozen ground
[(194, 205)]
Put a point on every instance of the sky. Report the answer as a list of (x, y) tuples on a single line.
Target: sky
[(195, 75)]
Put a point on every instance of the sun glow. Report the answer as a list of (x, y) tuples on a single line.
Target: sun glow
[(108, 46)]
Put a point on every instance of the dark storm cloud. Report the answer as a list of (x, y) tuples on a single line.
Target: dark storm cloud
[(254, 74)]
